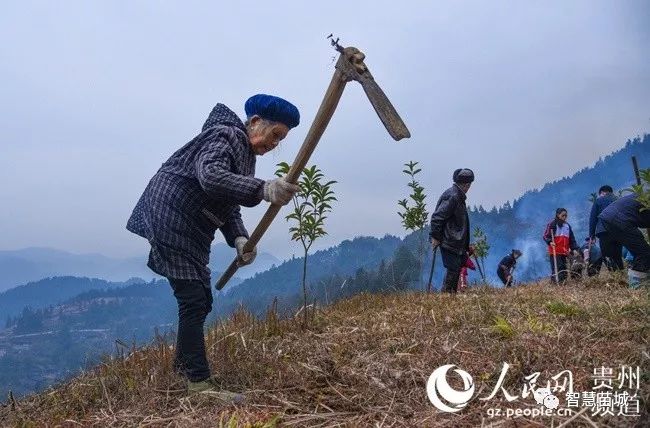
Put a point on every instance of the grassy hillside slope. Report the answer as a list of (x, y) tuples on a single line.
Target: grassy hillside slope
[(365, 361)]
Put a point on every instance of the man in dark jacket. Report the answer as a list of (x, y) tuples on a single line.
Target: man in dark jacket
[(618, 226), (450, 227), (197, 191), (507, 267), (611, 250), (605, 197)]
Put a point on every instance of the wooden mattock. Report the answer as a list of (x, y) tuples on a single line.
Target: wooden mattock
[(350, 66)]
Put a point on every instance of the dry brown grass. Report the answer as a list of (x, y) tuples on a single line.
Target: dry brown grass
[(365, 362)]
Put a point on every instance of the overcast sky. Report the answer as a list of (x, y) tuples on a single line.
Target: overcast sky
[(96, 95)]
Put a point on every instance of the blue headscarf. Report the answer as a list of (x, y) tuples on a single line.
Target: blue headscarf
[(273, 108)]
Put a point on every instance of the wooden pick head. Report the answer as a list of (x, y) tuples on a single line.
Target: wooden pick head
[(351, 65)]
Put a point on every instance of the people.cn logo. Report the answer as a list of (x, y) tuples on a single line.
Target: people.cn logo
[(443, 396)]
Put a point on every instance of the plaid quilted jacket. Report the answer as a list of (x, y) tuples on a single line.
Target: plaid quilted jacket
[(195, 192)]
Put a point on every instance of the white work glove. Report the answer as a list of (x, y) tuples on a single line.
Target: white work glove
[(243, 258), (279, 191)]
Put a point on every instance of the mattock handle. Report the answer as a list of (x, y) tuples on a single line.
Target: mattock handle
[(323, 116), (350, 66)]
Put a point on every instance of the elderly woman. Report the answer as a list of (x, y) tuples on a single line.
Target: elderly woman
[(198, 190)]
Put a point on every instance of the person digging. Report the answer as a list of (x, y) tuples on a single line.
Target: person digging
[(198, 191), (506, 267)]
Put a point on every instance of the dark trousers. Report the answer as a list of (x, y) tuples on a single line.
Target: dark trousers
[(453, 263), (612, 251), (612, 241), (194, 304), (502, 276), (593, 268), (562, 272)]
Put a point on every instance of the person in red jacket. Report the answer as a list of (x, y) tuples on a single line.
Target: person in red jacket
[(559, 237)]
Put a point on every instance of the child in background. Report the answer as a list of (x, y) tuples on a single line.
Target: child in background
[(468, 264)]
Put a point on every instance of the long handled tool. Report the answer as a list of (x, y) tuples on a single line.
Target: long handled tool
[(587, 258), (350, 66), (480, 270), (557, 277), (570, 266), (510, 281), (433, 265)]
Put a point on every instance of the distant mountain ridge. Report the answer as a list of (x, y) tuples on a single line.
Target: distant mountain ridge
[(362, 264), (19, 267), (511, 225), (50, 291), (69, 322), (284, 281), (521, 224), (39, 347)]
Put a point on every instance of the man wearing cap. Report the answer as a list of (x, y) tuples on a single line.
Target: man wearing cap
[(450, 227), (197, 191)]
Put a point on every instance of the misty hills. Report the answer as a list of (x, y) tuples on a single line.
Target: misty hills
[(32, 264), (326, 269), (521, 224), (50, 291), (67, 323), (53, 291), (363, 264), (517, 225), (41, 346)]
